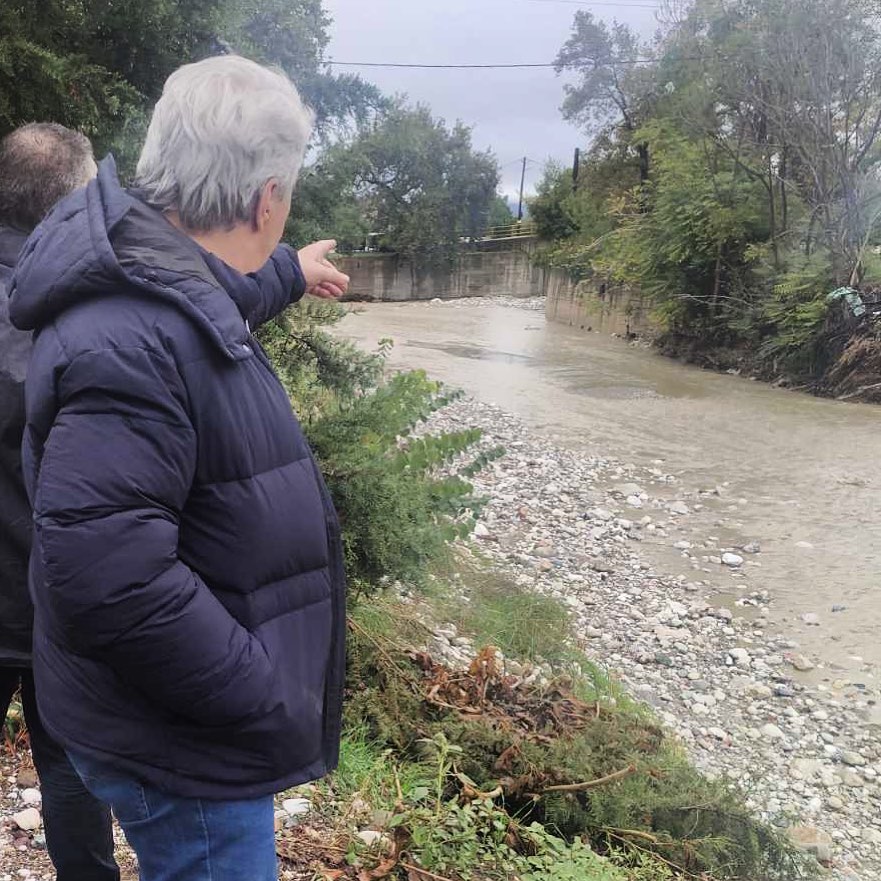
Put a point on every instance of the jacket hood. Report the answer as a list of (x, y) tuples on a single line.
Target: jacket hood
[(103, 238)]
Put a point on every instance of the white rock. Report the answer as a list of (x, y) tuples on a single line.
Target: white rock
[(800, 662), (296, 807), (28, 819), (852, 758), (772, 732), (32, 797), (678, 508), (740, 656), (372, 838), (733, 561), (481, 531), (870, 835), (629, 489)]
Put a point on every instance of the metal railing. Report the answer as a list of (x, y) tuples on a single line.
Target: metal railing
[(519, 229)]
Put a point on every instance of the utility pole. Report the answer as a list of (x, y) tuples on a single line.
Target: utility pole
[(522, 182)]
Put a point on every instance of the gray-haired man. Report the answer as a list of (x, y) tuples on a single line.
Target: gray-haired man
[(187, 568)]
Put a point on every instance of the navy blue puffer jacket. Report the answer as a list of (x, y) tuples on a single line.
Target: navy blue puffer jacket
[(186, 571)]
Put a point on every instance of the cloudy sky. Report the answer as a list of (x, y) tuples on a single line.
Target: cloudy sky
[(515, 112)]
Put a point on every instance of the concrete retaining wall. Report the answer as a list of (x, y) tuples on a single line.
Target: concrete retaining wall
[(597, 305), (484, 269), (500, 268)]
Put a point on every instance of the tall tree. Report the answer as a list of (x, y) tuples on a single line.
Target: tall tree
[(612, 88), (419, 183), (98, 65)]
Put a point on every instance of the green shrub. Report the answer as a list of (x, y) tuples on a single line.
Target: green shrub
[(399, 498), (541, 746)]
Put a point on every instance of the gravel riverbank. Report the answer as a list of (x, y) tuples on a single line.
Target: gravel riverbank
[(638, 556), (738, 692)]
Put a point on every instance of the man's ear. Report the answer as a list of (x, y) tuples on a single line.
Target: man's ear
[(263, 204)]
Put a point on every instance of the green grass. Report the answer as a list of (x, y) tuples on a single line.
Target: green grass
[(523, 624), (664, 810), (370, 770)]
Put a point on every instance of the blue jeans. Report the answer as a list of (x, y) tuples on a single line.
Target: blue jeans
[(186, 839)]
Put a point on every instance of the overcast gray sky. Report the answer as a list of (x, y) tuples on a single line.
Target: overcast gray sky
[(515, 112)]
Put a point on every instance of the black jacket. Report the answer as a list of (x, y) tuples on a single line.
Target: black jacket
[(16, 612), (187, 566)]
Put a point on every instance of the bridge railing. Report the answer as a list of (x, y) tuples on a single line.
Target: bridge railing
[(519, 229)]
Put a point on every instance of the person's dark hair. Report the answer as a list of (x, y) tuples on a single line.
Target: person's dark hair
[(40, 163)]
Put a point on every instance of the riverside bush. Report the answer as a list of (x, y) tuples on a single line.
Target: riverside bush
[(401, 498), (545, 748)]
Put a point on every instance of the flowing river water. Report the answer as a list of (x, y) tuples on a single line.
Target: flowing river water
[(799, 475)]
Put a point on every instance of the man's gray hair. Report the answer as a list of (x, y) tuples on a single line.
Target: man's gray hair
[(222, 129), (40, 164)]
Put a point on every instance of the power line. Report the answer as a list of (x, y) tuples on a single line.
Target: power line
[(491, 66), (433, 66), (618, 5)]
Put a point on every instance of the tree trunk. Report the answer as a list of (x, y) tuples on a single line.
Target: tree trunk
[(784, 198), (717, 282), (772, 216), (642, 151)]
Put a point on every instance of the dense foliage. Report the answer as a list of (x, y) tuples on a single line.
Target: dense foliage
[(98, 65), (376, 166), (409, 179), (573, 757), (402, 495), (733, 176)]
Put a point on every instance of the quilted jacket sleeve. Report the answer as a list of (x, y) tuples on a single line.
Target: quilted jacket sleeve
[(280, 283), (116, 470)]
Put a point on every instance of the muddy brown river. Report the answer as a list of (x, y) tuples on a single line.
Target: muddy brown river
[(801, 475)]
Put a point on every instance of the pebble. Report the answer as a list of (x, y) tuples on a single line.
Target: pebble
[(27, 778), (721, 682), (296, 807), (32, 797), (811, 840), (871, 835), (732, 561), (740, 656), (372, 838), (29, 819), (852, 758), (799, 662)]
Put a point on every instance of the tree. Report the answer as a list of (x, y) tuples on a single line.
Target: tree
[(612, 89), (48, 71), (762, 118), (500, 213), (794, 94), (98, 65), (419, 184), (293, 34)]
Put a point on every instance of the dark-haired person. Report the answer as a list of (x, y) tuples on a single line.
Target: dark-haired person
[(40, 164)]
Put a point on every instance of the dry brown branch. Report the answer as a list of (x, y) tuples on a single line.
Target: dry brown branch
[(591, 784)]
